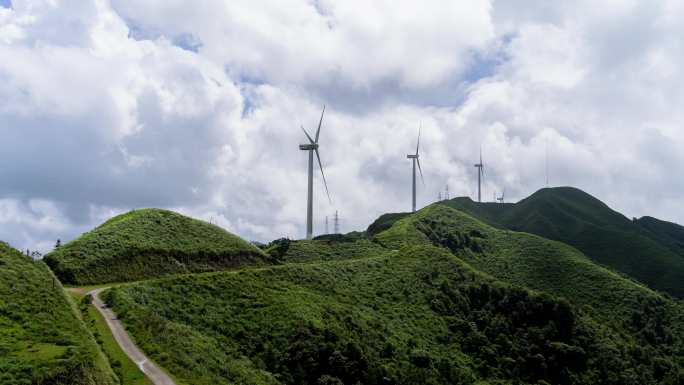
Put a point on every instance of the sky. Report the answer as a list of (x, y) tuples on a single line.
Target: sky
[(112, 105)]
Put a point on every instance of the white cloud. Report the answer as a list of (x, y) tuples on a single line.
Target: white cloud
[(112, 106)]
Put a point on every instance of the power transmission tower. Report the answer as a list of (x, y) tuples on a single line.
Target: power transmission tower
[(326, 225), (439, 197), (446, 193), (336, 221)]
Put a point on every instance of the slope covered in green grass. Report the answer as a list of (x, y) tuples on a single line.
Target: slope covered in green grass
[(323, 249), (42, 340), (149, 243), (384, 222), (438, 298), (668, 234), (568, 215)]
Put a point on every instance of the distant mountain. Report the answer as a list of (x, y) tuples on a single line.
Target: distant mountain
[(648, 250), (42, 340), (438, 297), (149, 243)]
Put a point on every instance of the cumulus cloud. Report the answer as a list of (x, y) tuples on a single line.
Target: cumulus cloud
[(109, 105)]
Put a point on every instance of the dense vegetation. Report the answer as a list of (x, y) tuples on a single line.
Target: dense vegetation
[(647, 250), (410, 307), (384, 222), (668, 234), (149, 243), (327, 248), (42, 340)]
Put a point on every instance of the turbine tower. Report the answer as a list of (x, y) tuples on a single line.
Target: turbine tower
[(416, 159), (480, 176), (312, 147)]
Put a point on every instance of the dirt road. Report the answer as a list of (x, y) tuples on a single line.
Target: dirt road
[(156, 375)]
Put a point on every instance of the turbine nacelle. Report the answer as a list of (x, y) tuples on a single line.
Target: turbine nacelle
[(412, 156), (308, 147)]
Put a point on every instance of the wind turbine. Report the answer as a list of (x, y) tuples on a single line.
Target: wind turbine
[(312, 147), (416, 159), (480, 176), (502, 197)]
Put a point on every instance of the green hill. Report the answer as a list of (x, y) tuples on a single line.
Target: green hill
[(646, 250), (42, 340), (384, 222), (668, 234), (437, 298), (149, 243)]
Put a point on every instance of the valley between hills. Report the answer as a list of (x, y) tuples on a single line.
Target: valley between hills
[(555, 289)]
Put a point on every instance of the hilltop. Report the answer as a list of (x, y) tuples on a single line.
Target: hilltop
[(436, 297), (149, 243), (648, 250), (42, 340)]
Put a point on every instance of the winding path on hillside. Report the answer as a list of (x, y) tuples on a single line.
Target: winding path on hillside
[(152, 371)]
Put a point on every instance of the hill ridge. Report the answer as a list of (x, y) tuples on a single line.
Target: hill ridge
[(147, 243), (574, 217)]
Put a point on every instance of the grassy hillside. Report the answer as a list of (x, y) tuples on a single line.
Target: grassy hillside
[(578, 219), (411, 307), (42, 340), (323, 249), (669, 234), (384, 222), (149, 243)]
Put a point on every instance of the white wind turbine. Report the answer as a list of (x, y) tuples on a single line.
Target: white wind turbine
[(312, 147), (480, 176), (416, 159)]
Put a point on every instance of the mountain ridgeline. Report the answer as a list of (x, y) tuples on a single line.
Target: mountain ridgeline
[(149, 243), (648, 250), (557, 289), (434, 297)]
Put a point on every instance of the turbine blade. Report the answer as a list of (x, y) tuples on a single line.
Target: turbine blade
[(418, 145), (318, 131), (421, 171), (307, 135), (325, 183)]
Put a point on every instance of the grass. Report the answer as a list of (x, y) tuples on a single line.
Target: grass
[(666, 233), (319, 250), (384, 222), (42, 339), (527, 260), (645, 250), (439, 297), (149, 243)]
